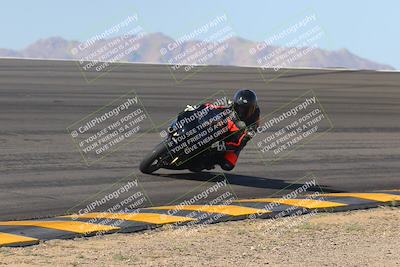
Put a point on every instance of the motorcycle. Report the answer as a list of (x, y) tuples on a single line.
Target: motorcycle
[(192, 142)]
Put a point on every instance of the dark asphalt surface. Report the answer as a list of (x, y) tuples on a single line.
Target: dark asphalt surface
[(42, 174)]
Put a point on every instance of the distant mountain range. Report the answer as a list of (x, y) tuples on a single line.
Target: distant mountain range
[(236, 53)]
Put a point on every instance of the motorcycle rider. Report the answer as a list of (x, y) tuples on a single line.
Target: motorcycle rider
[(240, 127)]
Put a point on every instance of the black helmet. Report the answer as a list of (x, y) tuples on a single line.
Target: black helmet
[(244, 103)]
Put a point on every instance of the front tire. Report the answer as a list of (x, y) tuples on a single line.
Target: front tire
[(152, 161)]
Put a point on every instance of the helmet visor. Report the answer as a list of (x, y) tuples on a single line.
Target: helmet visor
[(245, 111)]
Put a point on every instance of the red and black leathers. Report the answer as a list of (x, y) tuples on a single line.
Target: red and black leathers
[(237, 136)]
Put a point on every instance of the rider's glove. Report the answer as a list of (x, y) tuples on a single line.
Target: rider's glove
[(251, 133), (190, 108)]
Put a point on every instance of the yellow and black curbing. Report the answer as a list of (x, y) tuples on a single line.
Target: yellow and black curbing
[(31, 232)]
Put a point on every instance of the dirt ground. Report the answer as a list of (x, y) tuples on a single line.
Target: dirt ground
[(357, 238)]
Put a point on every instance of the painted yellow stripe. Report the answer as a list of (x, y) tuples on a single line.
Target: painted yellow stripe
[(381, 197), (153, 218), (11, 239), (75, 227), (227, 210), (304, 203)]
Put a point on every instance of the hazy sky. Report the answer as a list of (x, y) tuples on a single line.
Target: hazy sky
[(370, 29)]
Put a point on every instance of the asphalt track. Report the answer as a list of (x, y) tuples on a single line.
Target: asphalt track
[(42, 174)]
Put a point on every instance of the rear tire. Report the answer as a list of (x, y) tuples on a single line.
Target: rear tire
[(151, 162)]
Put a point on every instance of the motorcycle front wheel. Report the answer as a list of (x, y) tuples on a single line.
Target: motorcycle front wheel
[(153, 160)]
